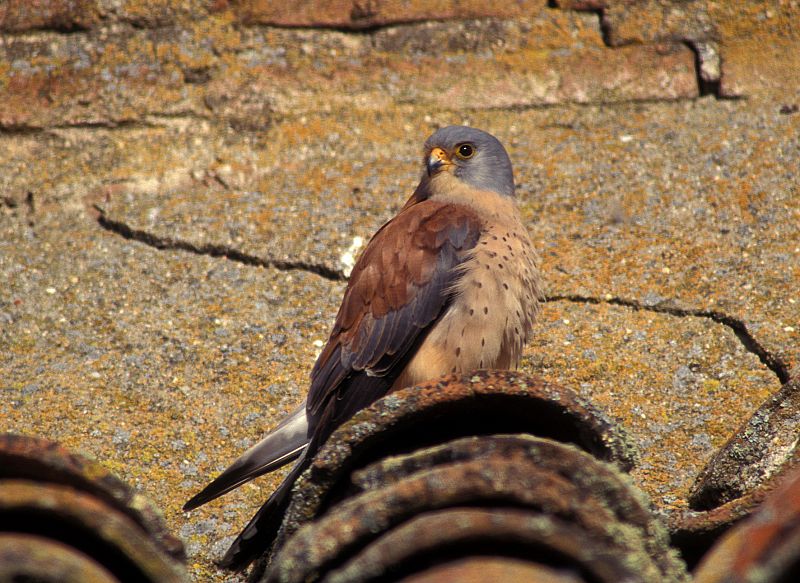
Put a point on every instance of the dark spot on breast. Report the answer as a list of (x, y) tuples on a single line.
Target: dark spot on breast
[(516, 330), (453, 369), (500, 265), (505, 257), (483, 341), (505, 285), (471, 311), (458, 349), (504, 239), (494, 237), (486, 309)]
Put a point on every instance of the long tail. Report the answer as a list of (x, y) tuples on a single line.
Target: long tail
[(277, 449), (262, 529)]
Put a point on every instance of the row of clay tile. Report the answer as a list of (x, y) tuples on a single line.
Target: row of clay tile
[(66, 519), (497, 474), (447, 477), (480, 476)]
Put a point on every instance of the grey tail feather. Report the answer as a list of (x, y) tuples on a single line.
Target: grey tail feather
[(284, 444), (260, 532)]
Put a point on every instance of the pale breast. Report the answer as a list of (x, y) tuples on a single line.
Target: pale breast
[(492, 314)]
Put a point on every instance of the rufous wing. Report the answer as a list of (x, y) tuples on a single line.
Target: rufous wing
[(398, 288)]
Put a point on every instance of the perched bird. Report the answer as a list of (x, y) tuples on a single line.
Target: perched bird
[(448, 285)]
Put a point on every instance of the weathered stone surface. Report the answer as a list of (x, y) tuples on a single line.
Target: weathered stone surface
[(767, 19), (713, 190), (156, 13), (751, 65), (473, 80), (248, 78), (63, 15), (677, 407), (76, 15), (111, 77), (658, 21), (156, 363), (140, 60), (758, 450), (356, 14), (549, 29)]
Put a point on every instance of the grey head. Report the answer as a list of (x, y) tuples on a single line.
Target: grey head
[(473, 156)]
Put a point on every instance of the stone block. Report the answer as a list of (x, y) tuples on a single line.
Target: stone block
[(653, 21), (63, 15), (360, 14), (761, 66)]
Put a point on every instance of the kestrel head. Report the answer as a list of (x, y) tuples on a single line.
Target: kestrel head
[(473, 156)]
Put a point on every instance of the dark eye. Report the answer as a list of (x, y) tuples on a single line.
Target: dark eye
[(466, 151)]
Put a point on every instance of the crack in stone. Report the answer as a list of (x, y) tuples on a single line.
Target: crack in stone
[(25, 130), (738, 327), (148, 121), (610, 104), (212, 250)]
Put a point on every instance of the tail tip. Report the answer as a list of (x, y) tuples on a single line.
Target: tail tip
[(233, 559), (193, 502)]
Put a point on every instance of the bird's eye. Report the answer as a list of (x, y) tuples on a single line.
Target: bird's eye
[(465, 151)]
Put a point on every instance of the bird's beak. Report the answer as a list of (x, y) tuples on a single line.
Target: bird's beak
[(436, 159)]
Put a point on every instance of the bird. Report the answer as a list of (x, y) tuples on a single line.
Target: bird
[(450, 284)]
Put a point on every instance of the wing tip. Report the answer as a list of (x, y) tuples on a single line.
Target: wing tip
[(220, 486)]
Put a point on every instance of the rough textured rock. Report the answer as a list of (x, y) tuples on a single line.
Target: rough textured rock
[(184, 185), (357, 14)]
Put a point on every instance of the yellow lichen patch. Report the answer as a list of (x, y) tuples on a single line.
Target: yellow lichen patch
[(679, 385)]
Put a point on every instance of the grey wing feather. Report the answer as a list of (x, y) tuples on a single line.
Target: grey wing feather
[(284, 444)]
